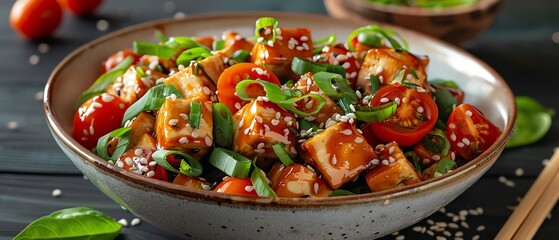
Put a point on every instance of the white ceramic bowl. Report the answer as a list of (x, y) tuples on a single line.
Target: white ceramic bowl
[(204, 214)]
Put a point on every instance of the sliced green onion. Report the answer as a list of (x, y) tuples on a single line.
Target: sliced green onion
[(230, 162), (445, 102), (395, 40), (415, 159), (182, 43), (436, 141), (283, 155), (189, 166), (123, 135), (443, 166), (140, 72), (399, 78), (275, 94), (147, 48), (301, 66), (223, 125), (260, 183), (306, 125), (376, 113), (264, 22), (440, 125), (375, 83), (446, 83), (193, 54), (289, 84), (370, 39), (240, 56), (414, 73), (326, 41), (218, 45), (410, 85), (325, 81), (341, 192), (159, 35), (345, 105), (152, 100), (195, 114), (105, 80)]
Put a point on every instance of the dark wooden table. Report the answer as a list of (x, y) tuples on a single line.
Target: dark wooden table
[(522, 45)]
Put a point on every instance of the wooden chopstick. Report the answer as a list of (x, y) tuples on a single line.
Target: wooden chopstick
[(536, 204)]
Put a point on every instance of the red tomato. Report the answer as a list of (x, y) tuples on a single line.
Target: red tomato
[(117, 57), (469, 132), (339, 55), (231, 76), (80, 7), (416, 115), (34, 19), (236, 186), (97, 117), (138, 160)]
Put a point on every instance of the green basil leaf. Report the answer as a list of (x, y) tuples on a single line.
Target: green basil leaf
[(533, 120), (72, 223)]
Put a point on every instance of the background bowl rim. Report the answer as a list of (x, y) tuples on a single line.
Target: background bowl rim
[(364, 5), (65, 138)]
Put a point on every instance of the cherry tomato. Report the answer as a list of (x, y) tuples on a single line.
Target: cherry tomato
[(80, 7), (117, 57), (415, 116), (470, 132), (236, 186), (97, 117), (138, 160), (231, 76), (34, 19)]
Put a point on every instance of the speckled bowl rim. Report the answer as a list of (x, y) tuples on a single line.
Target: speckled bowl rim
[(488, 157), (416, 11)]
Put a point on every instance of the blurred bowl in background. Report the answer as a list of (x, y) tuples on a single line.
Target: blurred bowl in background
[(455, 25)]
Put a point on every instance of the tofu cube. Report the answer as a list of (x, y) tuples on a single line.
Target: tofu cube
[(174, 132), (193, 84), (130, 86), (258, 126), (386, 63), (142, 124), (297, 180), (392, 170), (277, 55), (307, 85), (339, 153), (213, 66)]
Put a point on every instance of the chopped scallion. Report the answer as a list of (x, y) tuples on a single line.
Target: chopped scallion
[(193, 54), (436, 141), (152, 100), (395, 40), (283, 155), (443, 166), (240, 55), (230, 162), (195, 114), (334, 85), (301, 66), (123, 136), (147, 48), (189, 166), (341, 192), (265, 22), (260, 183), (223, 125), (376, 113)]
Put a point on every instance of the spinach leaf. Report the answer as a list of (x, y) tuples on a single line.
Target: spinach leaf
[(72, 223), (533, 120)]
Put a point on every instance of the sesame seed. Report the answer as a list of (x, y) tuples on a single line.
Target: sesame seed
[(453, 137), (452, 126), (135, 221), (453, 225), (183, 140), (208, 140), (258, 119), (129, 161), (358, 140), (56, 193), (275, 122), (206, 90), (334, 160), (13, 125), (384, 100), (459, 234), (194, 133), (309, 104), (259, 151), (464, 224), (152, 163), (347, 132), (466, 141), (179, 15), (430, 222), (237, 105), (123, 222), (400, 237), (43, 47), (268, 31), (519, 172), (304, 38), (247, 131), (91, 130), (475, 237), (430, 233), (387, 201), (417, 228), (34, 59), (260, 145), (436, 157), (441, 238), (480, 228), (143, 160), (249, 188), (102, 25), (391, 159), (469, 113), (460, 144), (173, 122), (39, 95), (149, 174), (385, 162), (420, 109)]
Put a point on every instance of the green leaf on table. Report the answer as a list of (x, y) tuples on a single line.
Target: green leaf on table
[(533, 120), (72, 223)]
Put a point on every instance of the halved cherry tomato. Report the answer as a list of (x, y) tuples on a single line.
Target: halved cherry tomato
[(416, 114), (236, 186), (35, 19), (231, 76), (97, 117), (118, 57), (470, 132), (80, 7)]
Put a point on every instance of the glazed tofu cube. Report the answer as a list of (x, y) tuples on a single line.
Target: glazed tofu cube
[(297, 181), (307, 85), (147, 141), (258, 126), (173, 129), (192, 182), (235, 42), (157, 63), (339, 153), (131, 86), (193, 84), (386, 63), (392, 170), (213, 66), (277, 55), (140, 125)]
